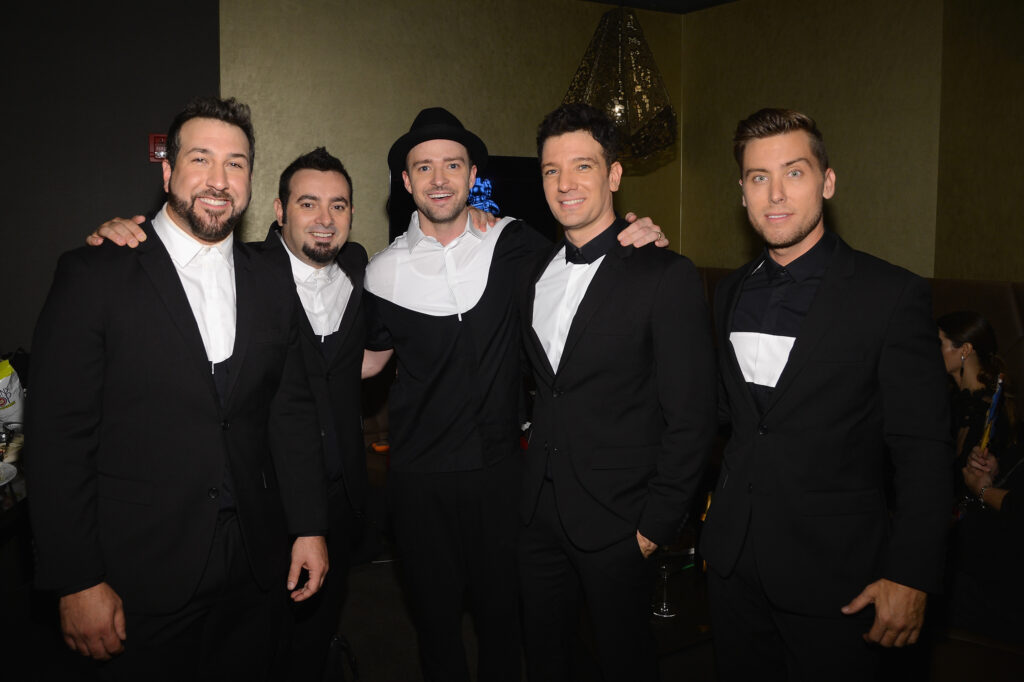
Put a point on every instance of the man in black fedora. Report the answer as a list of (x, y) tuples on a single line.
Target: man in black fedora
[(441, 297)]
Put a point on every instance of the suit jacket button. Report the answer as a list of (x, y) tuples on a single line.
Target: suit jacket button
[(555, 393), (750, 487), (212, 493), (225, 425), (762, 429)]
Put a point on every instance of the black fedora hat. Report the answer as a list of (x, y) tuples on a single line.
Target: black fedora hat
[(436, 123)]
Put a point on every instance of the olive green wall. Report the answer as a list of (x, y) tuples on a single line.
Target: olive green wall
[(980, 232), (352, 76), (869, 72), (896, 87)]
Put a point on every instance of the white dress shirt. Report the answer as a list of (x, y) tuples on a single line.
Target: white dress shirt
[(556, 299), (417, 272), (207, 273), (324, 292)]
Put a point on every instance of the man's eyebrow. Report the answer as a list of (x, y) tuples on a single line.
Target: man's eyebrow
[(204, 150), (445, 159), (804, 159), (575, 159)]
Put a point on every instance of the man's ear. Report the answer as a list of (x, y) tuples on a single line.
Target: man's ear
[(830, 184), (166, 165), (614, 176), (405, 181), (743, 197), (279, 212)]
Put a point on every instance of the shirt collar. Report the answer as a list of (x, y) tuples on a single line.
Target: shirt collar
[(182, 246), (595, 248), (813, 263), (414, 235), (304, 272)]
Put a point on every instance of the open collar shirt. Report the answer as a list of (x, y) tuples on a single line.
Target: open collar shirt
[(207, 273)]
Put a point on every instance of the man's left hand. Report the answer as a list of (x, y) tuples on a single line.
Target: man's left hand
[(646, 546), (641, 232), (310, 553), (899, 612), (482, 220)]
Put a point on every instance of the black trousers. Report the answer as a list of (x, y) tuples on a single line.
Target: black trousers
[(455, 537), (227, 631), (314, 622), (616, 583), (755, 640)]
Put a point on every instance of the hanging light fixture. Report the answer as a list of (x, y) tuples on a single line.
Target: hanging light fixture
[(618, 75)]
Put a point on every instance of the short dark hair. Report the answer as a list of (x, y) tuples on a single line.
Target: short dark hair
[(319, 160), (772, 122), (227, 110), (574, 116)]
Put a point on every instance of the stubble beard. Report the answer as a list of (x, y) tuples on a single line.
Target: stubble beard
[(447, 217), (785, 241)]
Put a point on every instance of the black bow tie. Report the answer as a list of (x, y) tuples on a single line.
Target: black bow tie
[(574, 254)]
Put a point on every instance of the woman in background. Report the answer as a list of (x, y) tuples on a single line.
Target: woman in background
[(969, 349), (986, 592)]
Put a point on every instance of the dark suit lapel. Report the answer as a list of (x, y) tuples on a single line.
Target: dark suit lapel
[(280, 253), (820, 318), (348, 318), (542, 357), (731, 365), (245, 315), (597, 293), (157, 264)]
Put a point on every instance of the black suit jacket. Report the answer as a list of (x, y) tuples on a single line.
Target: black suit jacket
[(130, 440), (859, 408), (335, 379), (627, 419)]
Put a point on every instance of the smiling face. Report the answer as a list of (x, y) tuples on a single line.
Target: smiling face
[(316, 222), (438, 175), (208, 188), (578, 184), (783, 192)]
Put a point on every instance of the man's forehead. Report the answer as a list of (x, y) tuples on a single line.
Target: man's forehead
[(579, 144), (782, 149), (311, 181), (211, 135), (435, 149)]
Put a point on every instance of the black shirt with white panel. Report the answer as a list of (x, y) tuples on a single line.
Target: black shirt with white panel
[(449, 312), (773, 304)]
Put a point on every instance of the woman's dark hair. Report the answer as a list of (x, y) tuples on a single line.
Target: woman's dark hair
[(967, 326)]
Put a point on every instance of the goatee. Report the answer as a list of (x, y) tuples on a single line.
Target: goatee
[(321, 253)]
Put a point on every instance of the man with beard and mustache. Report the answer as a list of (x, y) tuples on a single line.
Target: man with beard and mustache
[(834, 386), (175, 442), (442, 298)]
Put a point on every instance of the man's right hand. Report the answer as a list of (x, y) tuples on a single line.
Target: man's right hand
[(121, 231), (93, 622)]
